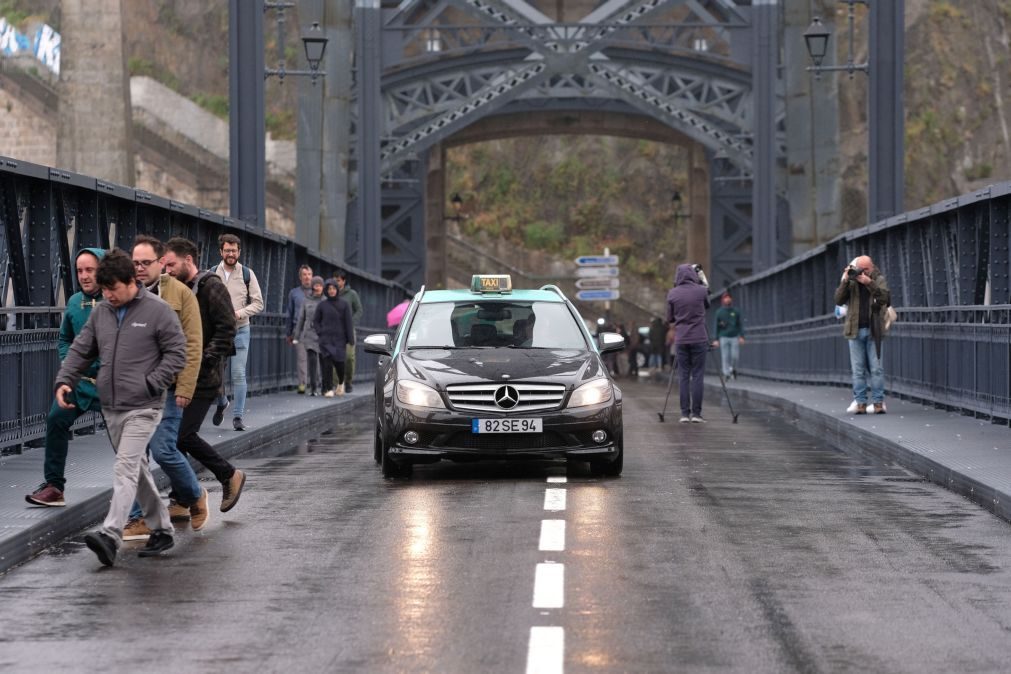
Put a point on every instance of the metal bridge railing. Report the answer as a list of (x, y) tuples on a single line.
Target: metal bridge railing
[(949, 271), (48, 215)]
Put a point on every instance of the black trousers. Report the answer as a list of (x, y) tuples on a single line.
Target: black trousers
[(329, 365), (191, 443)]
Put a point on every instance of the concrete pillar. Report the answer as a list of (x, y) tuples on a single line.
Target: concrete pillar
[(336, 128), (436, 269), (95, 118)]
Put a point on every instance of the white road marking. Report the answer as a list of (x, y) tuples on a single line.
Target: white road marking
[(561, 479), (552, 535), (546, 654), (549, 586), (554, 499)]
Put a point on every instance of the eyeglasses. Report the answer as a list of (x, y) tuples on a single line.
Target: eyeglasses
[(143, 264), (229, 251)]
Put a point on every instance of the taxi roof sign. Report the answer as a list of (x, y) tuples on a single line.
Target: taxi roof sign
[(491, 283)]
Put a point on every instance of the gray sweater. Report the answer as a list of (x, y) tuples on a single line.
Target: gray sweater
[(141, 355)]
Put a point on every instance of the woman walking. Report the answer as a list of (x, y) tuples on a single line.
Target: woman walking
[(305, 334), (333, 325)]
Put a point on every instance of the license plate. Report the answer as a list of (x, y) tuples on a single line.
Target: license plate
[(505, 425)]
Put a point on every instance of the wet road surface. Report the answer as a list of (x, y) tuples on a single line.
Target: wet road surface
[(746, 547)]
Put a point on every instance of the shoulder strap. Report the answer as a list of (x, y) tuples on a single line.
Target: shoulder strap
[(245, 278)]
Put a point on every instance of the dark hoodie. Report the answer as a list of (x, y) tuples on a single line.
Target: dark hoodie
[(334, 325), (687, 302)]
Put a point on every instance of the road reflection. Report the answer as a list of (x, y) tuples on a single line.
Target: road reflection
[(415, 599)]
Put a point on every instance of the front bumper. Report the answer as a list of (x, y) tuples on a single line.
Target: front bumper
[(447, 434)]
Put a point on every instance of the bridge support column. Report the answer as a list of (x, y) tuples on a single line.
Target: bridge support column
[(247, 152), (368, 62), (886, 151), (436, 271), (699, 223), (95, 118), (765, 52)]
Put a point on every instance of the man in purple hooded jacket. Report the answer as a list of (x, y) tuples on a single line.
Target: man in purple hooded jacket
[(687, 302)]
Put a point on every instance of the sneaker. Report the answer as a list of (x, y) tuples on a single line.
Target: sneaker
[(46, 495), (861, 408), (159, 542), (136, 529), (231, 490), (200, 512), (879, 408), (219, 414), (340, 389), (103, 545), (329, 394), (696, 419), (237, 424), (301, 389), (348, 388), (313, 393), (684, 420), (852, 409), (178, 513)]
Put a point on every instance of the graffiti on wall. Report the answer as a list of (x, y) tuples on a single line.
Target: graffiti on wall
[(43, 43)]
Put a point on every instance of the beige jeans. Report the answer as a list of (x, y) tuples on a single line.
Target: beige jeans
[(131, 475)]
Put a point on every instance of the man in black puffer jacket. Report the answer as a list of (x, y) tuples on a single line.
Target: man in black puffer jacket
[(218, 319)]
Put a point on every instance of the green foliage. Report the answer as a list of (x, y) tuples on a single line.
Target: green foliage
[(281, 124), (140, 66), (546, 236), (979, 172), (214, 103), (10, 11)]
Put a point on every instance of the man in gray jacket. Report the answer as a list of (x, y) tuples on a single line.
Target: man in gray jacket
[(142, 348)]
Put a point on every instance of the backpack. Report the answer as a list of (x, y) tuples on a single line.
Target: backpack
[(245, 278)]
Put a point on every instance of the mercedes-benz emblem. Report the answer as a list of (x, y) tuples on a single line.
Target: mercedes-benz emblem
[(507, 397)]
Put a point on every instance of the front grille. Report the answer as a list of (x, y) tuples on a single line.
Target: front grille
[(481, 397), (506, 441)]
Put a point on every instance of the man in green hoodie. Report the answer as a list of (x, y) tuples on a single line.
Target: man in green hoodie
[(59, 421), (349, 295)]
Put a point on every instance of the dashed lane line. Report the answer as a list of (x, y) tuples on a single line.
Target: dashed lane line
[(554, 499), (546, 654), (552, 536)]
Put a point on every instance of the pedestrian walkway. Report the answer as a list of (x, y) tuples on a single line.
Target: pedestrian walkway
[(969, 456), (281, 418)]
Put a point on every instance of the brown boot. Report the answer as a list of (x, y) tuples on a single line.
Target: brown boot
[(861, 408)]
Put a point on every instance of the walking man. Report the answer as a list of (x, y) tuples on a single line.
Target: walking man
[(296, 298), (349, 295), (729, 335), (864, 292), (85, 395), (247, 301), (187, 494), (142, 349), (687, 302), (218, 323)]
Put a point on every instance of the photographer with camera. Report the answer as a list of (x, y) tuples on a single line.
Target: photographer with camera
[(864, 292), (687, 302)]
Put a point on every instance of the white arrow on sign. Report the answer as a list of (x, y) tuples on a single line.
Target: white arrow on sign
[(597, 295), (596, 272), (596, 260), (597, 283)]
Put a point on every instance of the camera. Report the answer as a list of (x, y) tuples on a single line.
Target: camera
[(702, 275), (853, 273)]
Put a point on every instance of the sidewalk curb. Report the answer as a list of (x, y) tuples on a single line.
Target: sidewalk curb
[(844, 435), (72, 519)]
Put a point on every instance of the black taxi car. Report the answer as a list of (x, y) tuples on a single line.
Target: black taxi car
[(495, 373)]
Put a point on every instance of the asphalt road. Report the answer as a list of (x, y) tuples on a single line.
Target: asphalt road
[(746, 547)]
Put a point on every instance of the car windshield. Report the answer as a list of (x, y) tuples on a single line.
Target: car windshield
[(475, 324)]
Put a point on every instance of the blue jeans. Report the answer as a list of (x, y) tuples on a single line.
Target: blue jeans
[(237, 367), (730, 352), (162, 447), (691, 370), (863, 359), (655, 359)]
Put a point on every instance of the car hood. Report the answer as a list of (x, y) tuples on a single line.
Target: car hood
[(443, 367)]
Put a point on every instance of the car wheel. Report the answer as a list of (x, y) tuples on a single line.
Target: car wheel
[(613, 467), (391, 468)]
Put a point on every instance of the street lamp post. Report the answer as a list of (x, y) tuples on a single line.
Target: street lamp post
[(247, 73), (884, 69), (676, 202)]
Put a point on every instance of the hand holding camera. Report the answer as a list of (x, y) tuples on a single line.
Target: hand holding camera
[(852, 273), (701, 274)]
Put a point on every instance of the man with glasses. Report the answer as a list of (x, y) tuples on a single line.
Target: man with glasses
[(189, 499), (247, 301)]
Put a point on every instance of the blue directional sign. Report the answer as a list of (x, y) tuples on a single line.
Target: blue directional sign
[(597, 295), (597, 260)]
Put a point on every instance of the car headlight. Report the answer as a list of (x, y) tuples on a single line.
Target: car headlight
[(591, 393), (416, 394)]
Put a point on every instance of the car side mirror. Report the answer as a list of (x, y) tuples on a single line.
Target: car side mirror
[(610, 341), (379, 343)]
